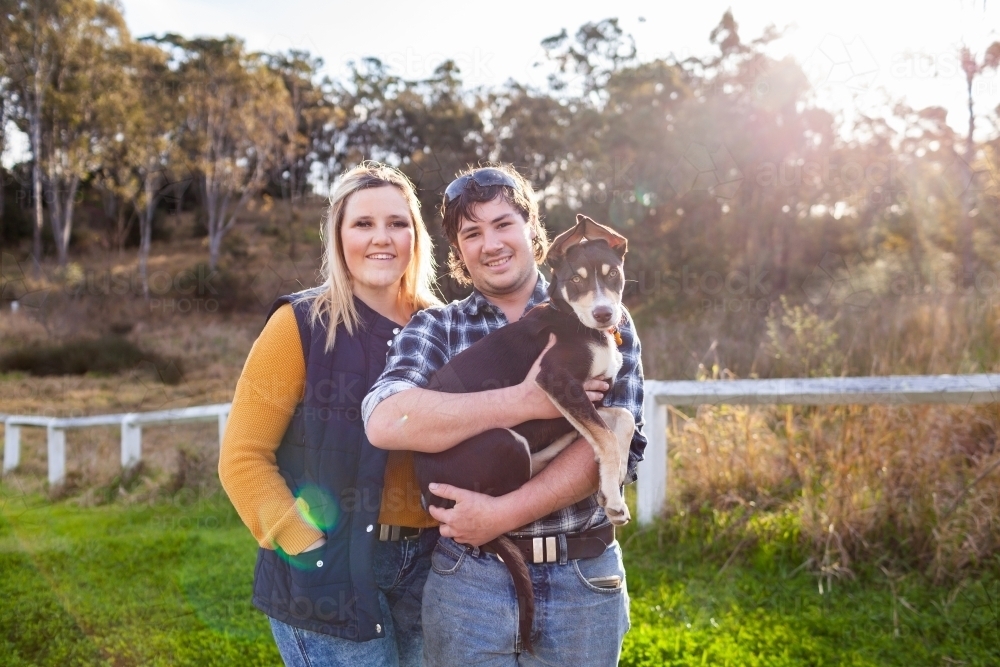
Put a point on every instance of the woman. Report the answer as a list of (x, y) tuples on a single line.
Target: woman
[(345, 544)]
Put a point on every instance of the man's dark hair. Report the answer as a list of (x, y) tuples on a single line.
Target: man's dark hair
[(522, 199)]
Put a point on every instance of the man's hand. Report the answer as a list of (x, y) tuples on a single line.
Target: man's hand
[(475, 519), (533, 394)]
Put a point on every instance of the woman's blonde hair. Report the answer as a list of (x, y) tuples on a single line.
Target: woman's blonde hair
[(334, 301)]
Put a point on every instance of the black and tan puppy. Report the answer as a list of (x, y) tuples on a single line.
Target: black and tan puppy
[(583, 311)]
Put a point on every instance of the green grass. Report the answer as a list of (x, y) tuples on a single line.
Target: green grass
[(689, 610), (169, 584)]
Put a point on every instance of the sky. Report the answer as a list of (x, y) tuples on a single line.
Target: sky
[(858, 53)]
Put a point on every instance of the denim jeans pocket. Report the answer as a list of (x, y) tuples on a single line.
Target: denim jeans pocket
[(445, 560), (603, 574)]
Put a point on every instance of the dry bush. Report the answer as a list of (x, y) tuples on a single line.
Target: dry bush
[(922, 335), (919, 484)]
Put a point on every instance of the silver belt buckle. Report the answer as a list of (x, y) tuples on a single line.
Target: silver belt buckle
[(544, 550), (388, 533)]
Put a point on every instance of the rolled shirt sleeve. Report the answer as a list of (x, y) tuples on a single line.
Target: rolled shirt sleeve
[(417, 353)]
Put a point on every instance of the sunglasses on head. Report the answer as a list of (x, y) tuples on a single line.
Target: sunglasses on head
[(482, 177)]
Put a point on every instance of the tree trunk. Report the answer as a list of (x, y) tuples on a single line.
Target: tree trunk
[(292, 212), (3, 192), (62, 215), (965, 226), (215, 209), (3, 147), (146, 234), (36, 190)]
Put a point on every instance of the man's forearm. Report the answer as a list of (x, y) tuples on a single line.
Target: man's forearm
[(432, 421)]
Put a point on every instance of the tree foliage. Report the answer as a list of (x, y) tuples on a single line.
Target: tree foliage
[(721, 164)]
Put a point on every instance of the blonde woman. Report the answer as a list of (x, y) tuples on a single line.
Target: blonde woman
[(344, 542)]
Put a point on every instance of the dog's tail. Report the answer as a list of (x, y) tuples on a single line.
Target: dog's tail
[(514, 560)]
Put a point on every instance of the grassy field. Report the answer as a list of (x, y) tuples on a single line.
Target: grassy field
[(168, 583)]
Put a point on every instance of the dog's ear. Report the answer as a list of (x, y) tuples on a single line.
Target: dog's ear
[(586, 230)]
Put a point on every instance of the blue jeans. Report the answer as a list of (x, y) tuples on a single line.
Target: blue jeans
[(470, 610), (401, 570)]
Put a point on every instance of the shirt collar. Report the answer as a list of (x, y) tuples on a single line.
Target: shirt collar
[(476, 302)]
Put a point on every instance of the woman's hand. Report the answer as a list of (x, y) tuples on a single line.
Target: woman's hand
[(315, 545), (538, 401)]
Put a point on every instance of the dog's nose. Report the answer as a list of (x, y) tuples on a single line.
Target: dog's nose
[(602, 314)]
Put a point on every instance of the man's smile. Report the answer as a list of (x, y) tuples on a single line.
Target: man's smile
[(500, 261)]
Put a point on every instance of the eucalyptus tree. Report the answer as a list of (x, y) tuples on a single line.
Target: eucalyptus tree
[(144, 142), (235, 110), (29, 30), (56, 52), (306, 145)]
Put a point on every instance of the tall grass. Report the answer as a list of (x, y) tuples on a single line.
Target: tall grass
[(912, 486)]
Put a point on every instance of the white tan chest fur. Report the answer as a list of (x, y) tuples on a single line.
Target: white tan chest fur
[(607, 359)]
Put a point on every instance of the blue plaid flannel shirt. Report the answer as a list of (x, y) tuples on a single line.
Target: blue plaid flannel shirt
[(435, 335)]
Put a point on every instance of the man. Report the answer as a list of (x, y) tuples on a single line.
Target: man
[(469, 608)]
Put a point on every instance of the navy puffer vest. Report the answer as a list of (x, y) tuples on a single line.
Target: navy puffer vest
[(327, 461)]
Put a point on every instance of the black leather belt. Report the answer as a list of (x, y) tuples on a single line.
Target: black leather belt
[(397, 533), (588, 544)]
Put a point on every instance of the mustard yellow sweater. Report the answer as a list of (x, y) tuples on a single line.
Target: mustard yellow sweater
[(271, 385)]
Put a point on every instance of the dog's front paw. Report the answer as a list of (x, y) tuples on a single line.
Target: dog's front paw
[(618, 515), (615, 507)]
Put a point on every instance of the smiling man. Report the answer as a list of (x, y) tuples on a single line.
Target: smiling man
[(469, 611)]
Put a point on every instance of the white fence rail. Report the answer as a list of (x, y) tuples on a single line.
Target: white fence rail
[(652, 486), (890, 390), (131, 425)]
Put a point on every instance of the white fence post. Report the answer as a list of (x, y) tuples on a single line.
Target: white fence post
[(57, 455), (223, 416), (652, 491), (131, 442), (11, 446)]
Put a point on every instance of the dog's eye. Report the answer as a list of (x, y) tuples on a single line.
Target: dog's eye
[(612, 273), (576, 279)]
